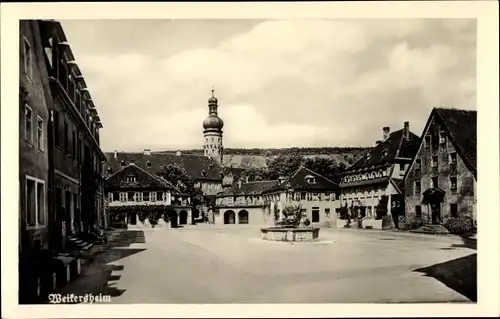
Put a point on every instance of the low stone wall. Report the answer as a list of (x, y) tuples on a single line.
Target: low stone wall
[(290, 234)]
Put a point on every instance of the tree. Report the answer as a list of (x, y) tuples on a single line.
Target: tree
[(179, 178), (255, 174), (283, 165)]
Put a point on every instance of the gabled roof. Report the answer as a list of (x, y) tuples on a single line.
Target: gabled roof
[(250, 188), (396, 145), (198, 167), (461, 126), (235, 171), (143, 180), (297, 181)]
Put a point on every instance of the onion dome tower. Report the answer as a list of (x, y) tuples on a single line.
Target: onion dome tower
[(212, 131)]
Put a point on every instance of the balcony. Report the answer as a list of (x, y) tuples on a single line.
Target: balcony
[(116, 203)]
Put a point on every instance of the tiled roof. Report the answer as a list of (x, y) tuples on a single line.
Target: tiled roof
[(198, 167), (396, 145), (236, 171), (462, 128), (250, 188), (143, 180), (297, 181)]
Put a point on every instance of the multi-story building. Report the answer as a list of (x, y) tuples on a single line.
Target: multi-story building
[(73, 140), (380, 173), (441, 181), (34, 101), (59, 154), (133, 187), (243, 203), (256, 202)]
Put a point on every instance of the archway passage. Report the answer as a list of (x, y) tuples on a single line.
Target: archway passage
[(242, 217), (173, 219), (229, 217), (183, 217)]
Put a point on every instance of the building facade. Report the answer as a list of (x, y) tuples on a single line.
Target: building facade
[(75, 157), (380, 173), (212, 131), (243, 203), (441, 181), (34, 100), (133, 187), (317, 196)]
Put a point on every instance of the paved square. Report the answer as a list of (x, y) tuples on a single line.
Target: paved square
[(211, 264)]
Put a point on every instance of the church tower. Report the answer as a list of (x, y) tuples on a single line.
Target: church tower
[(212, 131)]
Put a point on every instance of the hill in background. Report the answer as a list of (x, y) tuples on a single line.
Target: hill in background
[(256, 157)]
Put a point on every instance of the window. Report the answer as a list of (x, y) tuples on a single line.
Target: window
[(417, 187), (434, 162), (230, 200), (55, 115), (418, 211), (427, 141), (302, 196), (148, 163), (327, 212), (454, 210), (35, 202), (442, 137), (315, 196), (418, 164), (309, 196), (332, 196), (453, 158), (145, 196), (152, 196), (123, 196), (78, 101), (297, 196), (27, 123), (28, 68), (130, 196), (66, 138), (159, 196), (39, 133), (131, 179), (402, 168), (110, 197), (434, 181), (75, 146), (453, 183), (122, 163), (138, 197)]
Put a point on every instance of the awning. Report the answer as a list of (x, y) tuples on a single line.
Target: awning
[(433, 195)]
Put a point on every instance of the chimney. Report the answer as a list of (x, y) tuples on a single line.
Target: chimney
[(239, 183), (378, 142), (281, 179), (116, 154), (406, 130), (178, 153), (147, 151), (386, 130)]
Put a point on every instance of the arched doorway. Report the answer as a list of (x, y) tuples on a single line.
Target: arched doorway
[(183, 217), (229, 217), (173, 219), (242, 217)]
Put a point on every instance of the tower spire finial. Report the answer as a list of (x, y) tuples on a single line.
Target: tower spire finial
[(212, 91)]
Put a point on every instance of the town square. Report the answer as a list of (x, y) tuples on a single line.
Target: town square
[(202, 161)]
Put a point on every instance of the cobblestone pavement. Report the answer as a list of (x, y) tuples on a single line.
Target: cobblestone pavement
[(218, 264)]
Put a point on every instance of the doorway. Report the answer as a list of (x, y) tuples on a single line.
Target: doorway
[(229, 217), (436, 213), (183, 217)]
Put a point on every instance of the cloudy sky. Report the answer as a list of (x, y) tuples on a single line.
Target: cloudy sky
[(280, 83)]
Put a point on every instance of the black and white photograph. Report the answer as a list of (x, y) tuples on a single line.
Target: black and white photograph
[(249, 161)]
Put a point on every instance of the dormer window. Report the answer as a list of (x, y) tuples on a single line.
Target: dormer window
[(148, 164), (368, 156), (210, 166), (203, 173), (310, 179), (122, 163), (131, 179), (385, 153)]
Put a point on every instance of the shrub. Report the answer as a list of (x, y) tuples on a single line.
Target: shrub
[(463, 225), (414, 224), (307, 222)]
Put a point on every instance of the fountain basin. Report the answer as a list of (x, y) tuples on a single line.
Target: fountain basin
[(290, 234)]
